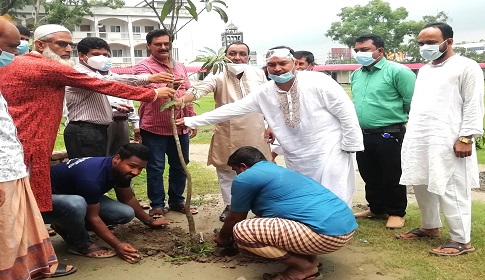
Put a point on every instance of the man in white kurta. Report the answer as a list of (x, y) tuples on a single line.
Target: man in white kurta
[(311, 116), (230, 85), (438, 155)]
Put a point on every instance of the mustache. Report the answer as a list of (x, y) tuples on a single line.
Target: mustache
[(163, 51)]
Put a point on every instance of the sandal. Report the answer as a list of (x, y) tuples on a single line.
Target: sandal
[(418, 234), (51, 232), (86, 251), (181, 208), (61, 270), (462, 249), (269, 276), (156, 213)]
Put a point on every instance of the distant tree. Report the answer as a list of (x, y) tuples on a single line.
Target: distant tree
[(375, 17), (10, 7), (70, 13), (478, 57)]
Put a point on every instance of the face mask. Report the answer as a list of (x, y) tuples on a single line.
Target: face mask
[(99, 62), (283, 78), (431, 52), (6, 58), (236, 69), (23, 48), (364, 58)]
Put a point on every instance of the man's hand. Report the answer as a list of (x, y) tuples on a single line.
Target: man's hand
[(165, 92), (180, 122), (137, 135), (123, 108), (158, 223), (162, 77), (127, 252), (2, 197), (192, 133), (269, 136), (178, 82), (221, 242), (462, 150)]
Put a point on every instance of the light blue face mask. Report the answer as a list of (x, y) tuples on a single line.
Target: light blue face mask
[(6, 58), (107, 66), (23, 48), (283, 78)]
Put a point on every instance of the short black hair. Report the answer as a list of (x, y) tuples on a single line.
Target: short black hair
[(284, 47), (156, 33), (24, 30), (445, 29), (236, 43), (306, 54), (92, 43), (134, 150), (247, 155), (376, 40)]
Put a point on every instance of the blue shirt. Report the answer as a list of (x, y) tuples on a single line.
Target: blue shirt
[(89, 177), (271, 191)]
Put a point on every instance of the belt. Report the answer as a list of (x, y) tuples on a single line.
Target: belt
[(81, 123), (384, 129), (120, 118)]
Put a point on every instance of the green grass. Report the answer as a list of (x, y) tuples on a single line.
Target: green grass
[(411, 256)]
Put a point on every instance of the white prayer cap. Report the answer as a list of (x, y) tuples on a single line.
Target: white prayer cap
[(48, 29)]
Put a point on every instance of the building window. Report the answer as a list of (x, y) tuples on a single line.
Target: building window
[(175, 53), (117, 53), (85, 28), (138, 53), (115, 28), (149, 28), (136, 29)]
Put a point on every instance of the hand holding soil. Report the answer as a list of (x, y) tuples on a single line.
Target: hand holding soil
[(127, 252), (159, 223)]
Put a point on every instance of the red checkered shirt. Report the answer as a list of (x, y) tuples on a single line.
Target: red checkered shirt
[(151, 119)]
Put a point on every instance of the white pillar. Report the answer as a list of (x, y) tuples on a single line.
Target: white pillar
[(132, 41)]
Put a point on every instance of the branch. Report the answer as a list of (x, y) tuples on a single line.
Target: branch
[(189, 21), (156, 12), (10, 5), (71, 12)]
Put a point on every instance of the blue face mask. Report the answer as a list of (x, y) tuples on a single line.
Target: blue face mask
[(23, 48), (283, 78), (6, 58)]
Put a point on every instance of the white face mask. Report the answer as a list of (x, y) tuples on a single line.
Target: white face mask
[(431, 52), (99, 62), (236, 69)]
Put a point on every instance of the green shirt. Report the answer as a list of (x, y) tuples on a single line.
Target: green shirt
[(382, 96)]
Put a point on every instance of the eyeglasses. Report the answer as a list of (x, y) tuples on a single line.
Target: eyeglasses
[(282, 53), (62, 44)]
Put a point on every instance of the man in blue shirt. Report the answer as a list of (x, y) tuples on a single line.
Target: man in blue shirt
[(297, 218), (78, 188)]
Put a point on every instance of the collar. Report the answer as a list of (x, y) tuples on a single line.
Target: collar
[(379, 65), (163, 64)]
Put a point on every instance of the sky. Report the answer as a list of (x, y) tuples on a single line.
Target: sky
[(302, 24)]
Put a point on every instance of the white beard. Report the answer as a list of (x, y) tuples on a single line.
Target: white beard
[(52, 55)]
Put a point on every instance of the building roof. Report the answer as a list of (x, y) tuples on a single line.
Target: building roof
[(231, 26)]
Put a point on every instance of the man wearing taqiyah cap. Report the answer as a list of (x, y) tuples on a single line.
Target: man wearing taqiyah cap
[(33, 85), (232, 84), (311, 116)]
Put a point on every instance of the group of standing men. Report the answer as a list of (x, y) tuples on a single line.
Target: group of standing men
[(310, 115)]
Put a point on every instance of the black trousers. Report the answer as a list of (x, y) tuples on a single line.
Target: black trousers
[(84, 139), (380, 168)]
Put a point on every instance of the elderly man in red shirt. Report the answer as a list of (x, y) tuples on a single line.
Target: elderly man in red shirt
[(34, 85), (156, 129)]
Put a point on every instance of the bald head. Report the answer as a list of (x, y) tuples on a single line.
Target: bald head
[(9, 37)]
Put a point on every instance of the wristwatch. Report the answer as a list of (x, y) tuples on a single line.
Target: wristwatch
[(465, 140)]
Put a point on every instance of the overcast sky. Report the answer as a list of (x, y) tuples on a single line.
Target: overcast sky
[(302, 24)]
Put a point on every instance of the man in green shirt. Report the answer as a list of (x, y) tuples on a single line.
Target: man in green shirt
[(381, 92)]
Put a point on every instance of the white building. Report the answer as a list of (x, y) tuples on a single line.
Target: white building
[(479, 47), (125, 30)]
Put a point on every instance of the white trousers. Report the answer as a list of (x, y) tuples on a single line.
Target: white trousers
[(456, 205), (225, 178)]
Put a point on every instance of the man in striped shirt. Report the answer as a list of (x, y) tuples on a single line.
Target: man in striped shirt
[(90, 112), (156, 128)]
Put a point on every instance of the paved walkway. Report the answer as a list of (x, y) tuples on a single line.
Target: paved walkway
[(198, 153)]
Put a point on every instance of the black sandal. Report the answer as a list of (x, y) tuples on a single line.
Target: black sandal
[(62, 270)]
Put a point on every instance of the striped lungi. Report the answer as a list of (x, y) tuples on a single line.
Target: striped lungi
[(26, 251), (275, 238)]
